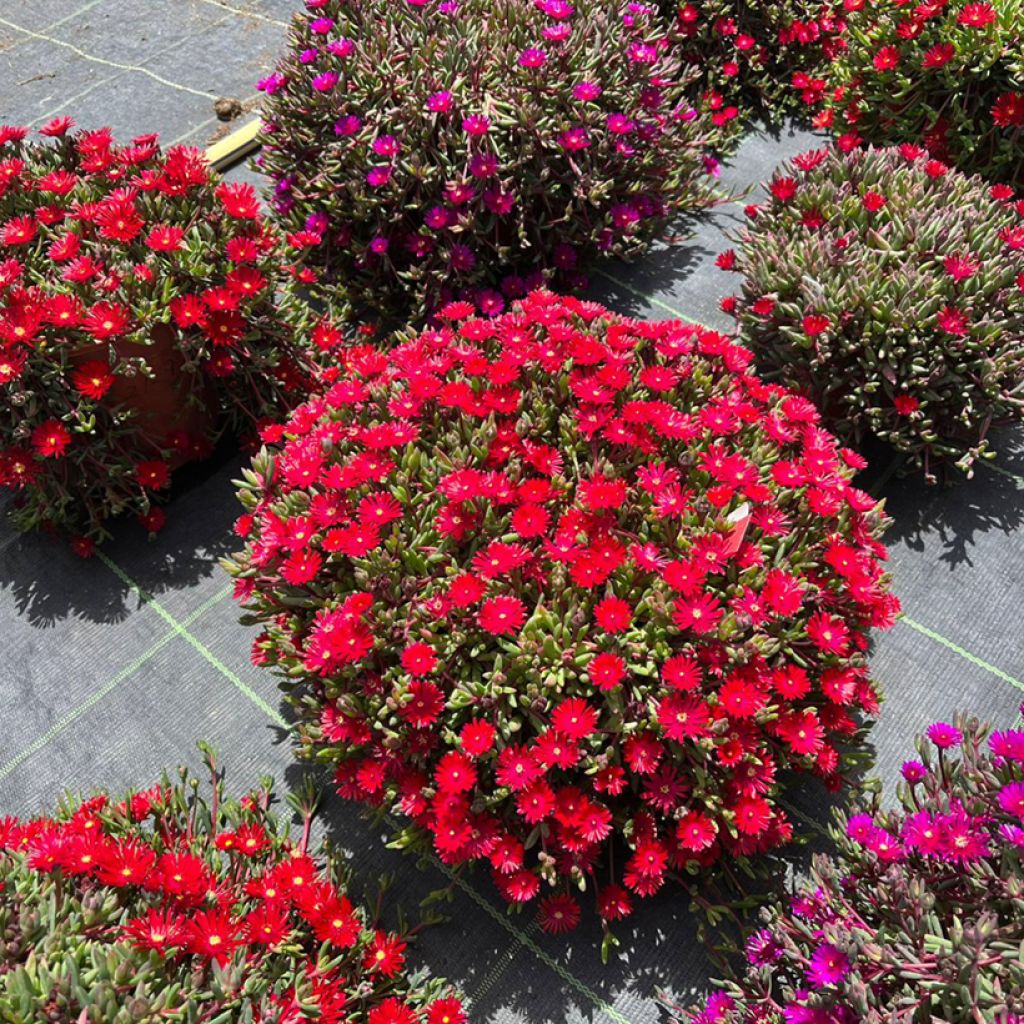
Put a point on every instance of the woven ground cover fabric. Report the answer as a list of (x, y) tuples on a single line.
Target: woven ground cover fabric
[(114, 666)]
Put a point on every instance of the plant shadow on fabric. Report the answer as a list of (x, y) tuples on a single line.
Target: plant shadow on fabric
[(50, 583), (503, 976), (954, 516)]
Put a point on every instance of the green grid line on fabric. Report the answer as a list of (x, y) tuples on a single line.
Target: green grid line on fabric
[(518, 933), (957, 649), (107, 688), (272, 713)]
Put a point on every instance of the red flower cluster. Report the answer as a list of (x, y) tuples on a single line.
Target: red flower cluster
[(945, 74), (774, 56), (562, 579), (137, 320), (925, 351), (198, 886)]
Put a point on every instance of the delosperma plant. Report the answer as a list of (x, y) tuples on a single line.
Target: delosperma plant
[(917, 916), (167, 906), (767, 57), (138, 321), (559, 582), (889, 288), (946, 74), (472, 145)]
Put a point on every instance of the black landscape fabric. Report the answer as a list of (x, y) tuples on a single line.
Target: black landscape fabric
[(114, 666)]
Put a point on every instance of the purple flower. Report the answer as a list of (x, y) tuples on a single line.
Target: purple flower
[(326, 81), (762, 948), (859, 827), (437, 217), (717, 1010), (586, 92), (379, 244), (557, 33), (271, 84), (489, 302), (462, 258), (341, 47), (1011, 799), (475, 124), (499, 202), (1008, 744), (347, 125), (317, 222), (829, 965), (557, 9), (386, 145), (483, 165), (944, 735), (914, 771), (440, 102), (619, 124), (574, 139)]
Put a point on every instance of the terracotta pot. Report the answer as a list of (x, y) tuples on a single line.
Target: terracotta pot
[(160, 400)]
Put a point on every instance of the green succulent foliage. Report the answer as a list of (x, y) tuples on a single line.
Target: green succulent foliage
[(545, 206), (772, 58), (906, 348), (940, 74)]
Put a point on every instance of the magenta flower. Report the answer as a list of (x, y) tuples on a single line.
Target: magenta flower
[(347, 125), (437, 217), (557, 33), (341, 47), (762, 948), (462, 258), (386, 145), (321, 26), (574, 139), (1008, 744), (532, 58), (619, 124), (829, 965), (378, 176), (1011, 799), (476, 124), (944, 735), (914, 771), (440, 102), (483, 165), (586, 92), (379, 244), (325, 82)]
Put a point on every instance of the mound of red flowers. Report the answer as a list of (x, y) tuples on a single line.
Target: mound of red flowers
[(138, 320), (917, 915), (561, 580), (165, 906)]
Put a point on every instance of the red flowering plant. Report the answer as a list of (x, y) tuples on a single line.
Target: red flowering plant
[(948, 74), (773, 57), (137, 321), (561, 580), (889, 289), (163, 906), (514, 138), (919, 913)]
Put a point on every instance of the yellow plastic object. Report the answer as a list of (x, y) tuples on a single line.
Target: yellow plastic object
[(234, 147)]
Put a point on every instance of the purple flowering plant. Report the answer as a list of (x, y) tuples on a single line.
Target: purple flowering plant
[(917, 916), (477, 147)]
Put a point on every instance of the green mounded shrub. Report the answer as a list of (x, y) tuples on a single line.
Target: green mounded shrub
[(773, 57), (918, 915), (948, 74), (472, 144), (889, 289), (168, 907)]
